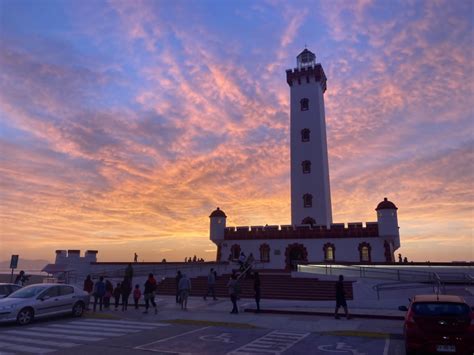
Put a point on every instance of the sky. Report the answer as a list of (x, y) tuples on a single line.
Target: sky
[(124, 124)]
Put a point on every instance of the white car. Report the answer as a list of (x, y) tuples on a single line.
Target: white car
[(42, 300)]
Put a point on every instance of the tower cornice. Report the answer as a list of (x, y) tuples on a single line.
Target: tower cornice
[(299, 75)]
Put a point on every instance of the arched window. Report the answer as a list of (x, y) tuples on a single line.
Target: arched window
[(306, 166), (235, 251), (329, 252), (309, 220), (305, 135), (304, 104), (307, 200), (364, 252), (265, 253)]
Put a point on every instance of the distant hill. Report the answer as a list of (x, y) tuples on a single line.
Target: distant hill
[(25, 264)]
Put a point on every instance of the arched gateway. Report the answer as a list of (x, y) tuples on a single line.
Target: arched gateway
[(295, 254)]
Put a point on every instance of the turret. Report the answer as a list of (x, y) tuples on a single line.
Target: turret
[(388, 221), (218, 220)]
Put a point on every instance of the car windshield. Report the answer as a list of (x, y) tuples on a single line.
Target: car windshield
[(440, 309), (28, 292)]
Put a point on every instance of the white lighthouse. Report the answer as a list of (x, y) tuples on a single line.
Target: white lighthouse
[(310, 191)]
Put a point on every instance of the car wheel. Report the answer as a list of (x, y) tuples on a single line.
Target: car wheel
[(78, 309), (25, 316)]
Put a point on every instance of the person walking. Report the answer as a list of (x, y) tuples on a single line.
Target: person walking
[(184, 290), (233, 292), (340, 298), (99, 292), (88, 284), (21, 278), (177, 278), (117, 293), (126, 290), (211, 284), (109, 289), (149, 293), (256, 288), (137, 294)]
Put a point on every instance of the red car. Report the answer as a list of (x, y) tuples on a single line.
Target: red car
[(440, 324)]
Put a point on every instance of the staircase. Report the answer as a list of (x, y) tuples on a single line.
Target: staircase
[(273, 286)]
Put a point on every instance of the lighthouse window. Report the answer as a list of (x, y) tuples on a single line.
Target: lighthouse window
[(305, 135), (264, 253), (304, 104), (306, 167), (307, 200)]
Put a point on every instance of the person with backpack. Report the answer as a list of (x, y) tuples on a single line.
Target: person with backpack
[(234, 288), (137, 294), (149, 293), (184, 290), (88, 285), (99, 292)]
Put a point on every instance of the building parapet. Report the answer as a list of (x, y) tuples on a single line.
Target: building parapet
[(304, 231), (307, 74)]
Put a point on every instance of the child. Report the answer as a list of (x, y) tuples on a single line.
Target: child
[(136, 295), (117, 293)]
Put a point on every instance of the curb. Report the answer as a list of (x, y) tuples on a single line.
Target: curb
[(326, 314)]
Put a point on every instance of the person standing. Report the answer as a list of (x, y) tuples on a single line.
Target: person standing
[(129, 273), (233, 292), (137, 294), (149, 293), (88, 284), (117, 293), (211, 284), (340, 297), (177, 278), (184, 290), (99, 292), (256, 288), (135, 258), (126, 290)]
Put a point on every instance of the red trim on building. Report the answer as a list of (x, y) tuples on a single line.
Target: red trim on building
[(264, 247), (235, 250), (317, 72)]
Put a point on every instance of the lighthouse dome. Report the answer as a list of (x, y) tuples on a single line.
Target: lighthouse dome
[(386, 205), (218, 213)]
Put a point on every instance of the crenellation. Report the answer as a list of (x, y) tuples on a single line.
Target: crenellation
[(337, 230)]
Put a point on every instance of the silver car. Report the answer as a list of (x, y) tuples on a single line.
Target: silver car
[(42, 300), (6, 289)]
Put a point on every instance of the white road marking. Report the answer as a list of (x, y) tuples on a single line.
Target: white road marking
[(25, 348), (148, 324), (94, 328), (52, 335), (145, 346), (41, 342), (118, 326), (274, 342), (77, 332)]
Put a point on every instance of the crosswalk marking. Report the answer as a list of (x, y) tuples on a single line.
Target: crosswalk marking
[(53, 335), (92, 328), (75, 332), (118, 326), (275, 342), (40, 342), (25, 348), (116, 322), (46, 338)]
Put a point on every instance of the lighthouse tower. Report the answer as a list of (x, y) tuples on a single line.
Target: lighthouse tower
[(310, 192)]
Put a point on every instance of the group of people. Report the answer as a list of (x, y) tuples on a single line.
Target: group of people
[(194, 259), (103, 291)]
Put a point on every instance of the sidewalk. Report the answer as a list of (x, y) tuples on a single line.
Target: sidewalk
[(276, 314)]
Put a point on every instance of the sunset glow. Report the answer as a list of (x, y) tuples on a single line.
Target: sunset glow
[(125, 123)]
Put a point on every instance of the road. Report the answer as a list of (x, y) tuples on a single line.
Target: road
[(100, 336)]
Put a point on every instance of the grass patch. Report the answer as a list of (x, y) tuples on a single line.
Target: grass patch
[(100, 315)]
